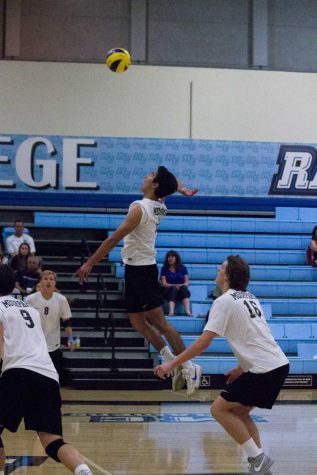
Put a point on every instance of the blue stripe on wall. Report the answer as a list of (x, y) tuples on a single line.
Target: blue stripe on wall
[(84, 200)]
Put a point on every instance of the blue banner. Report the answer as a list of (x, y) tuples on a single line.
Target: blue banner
[(97, 167)]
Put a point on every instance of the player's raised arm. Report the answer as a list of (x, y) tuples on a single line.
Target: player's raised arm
[(132, 220)]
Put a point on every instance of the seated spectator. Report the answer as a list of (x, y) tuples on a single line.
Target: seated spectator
[(175, 281), (313, 247), (3, 258), (18, 262), (27, 279), (13, 242)]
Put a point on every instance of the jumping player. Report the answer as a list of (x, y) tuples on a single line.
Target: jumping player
[(143, 293), (263, 367), (29, 386)]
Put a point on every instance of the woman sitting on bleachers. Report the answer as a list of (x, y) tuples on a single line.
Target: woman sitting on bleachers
[(18, 262), (313, 247), (175, 281)]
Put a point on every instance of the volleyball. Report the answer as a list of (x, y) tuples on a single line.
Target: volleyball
[(118, 60)]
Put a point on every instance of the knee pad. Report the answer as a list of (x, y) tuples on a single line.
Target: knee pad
[(53, 448)]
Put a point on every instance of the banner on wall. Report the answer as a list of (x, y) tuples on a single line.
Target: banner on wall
[(101, 166)]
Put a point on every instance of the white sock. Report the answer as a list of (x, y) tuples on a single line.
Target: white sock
[(167, 354), (83, 466), (251, 449)]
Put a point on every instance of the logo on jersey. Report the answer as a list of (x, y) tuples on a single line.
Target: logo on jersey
[(297, 171), (158, 211)]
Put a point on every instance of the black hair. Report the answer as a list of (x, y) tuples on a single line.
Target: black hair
[(178, 260), (238, 273), (313, 233), (167, 183), (7, 279)]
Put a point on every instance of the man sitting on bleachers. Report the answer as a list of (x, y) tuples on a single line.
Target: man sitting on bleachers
[(13, 242)]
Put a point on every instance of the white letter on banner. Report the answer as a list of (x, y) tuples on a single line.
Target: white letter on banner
[(71, 163), (296, 163), (4, 159), (313, 183), (25, 162)]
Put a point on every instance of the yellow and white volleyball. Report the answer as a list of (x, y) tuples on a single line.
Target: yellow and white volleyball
[(118, 60)]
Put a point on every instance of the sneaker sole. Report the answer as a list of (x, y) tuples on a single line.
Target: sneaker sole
[(178, 382)]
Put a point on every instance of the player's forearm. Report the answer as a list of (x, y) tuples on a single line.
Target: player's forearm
[(103, 250), (193, 350)]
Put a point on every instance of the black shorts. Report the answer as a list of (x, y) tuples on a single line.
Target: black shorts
[(253, 389), (28, 395), (142, 289)]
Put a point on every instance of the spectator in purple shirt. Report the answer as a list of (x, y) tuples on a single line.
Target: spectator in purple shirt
[(175, 281)]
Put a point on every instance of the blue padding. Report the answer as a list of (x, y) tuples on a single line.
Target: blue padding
[(172, 223), (277, 325), (314, 330), (307, 350), (216, 256), (298, 330), (292, 307), (242, 241), (258, 273), (295, 213)]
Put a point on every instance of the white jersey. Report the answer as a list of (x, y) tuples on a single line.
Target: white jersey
[(238, 316), (52, 311), (13, 243), (24, 342), (139, 245)]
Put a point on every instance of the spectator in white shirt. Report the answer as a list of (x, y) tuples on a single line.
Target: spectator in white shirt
[(13, 242)]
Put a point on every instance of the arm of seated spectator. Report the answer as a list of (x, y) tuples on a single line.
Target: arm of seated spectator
[(313, 245), (186, 280), (21, 289), (164, 282)]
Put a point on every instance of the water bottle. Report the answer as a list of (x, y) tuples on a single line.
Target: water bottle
[(77, 342)]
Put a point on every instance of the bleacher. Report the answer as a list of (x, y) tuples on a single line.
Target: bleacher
[(276, 251)]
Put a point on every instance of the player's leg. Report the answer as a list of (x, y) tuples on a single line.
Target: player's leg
[(243, 412), (140, 323), (64, 453), (222, 411), (191, 372), (157, 319)]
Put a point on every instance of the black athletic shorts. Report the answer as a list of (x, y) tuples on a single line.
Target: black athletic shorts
[(142, 289), (28, 395), (254, 389)]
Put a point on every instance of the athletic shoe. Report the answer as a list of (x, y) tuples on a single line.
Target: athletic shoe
[(178, 381), (192, 377), (260, 464), (85, 472)]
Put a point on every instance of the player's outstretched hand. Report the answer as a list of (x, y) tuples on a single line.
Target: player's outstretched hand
[(83, 272), (187, 192), (234, 374), (162, 370)]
